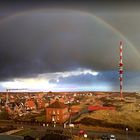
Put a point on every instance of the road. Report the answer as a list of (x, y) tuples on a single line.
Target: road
[(7, 137), (90, 133)]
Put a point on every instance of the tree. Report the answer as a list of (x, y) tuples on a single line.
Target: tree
[(4, 115)]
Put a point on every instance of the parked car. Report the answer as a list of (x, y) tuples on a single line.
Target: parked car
[(105, 137), (108, 137), (112, 137), (81, 132)]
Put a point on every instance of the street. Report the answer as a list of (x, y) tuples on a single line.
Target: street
[(42, 129)]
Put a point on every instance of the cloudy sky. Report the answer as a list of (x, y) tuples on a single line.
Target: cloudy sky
[(69, 46)]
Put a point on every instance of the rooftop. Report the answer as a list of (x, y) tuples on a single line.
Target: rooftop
[(57, 104)]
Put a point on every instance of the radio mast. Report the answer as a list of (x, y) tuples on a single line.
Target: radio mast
[(121, 70)]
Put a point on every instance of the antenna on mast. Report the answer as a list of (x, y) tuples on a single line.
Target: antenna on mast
[(121, 69)]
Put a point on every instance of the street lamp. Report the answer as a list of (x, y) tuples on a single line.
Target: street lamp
[(69, 110), (126, 133)]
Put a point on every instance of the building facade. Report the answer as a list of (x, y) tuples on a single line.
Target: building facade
[(57, 112)]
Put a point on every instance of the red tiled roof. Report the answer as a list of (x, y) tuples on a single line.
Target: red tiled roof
[(30, 103), (92, 108), (57, 104)]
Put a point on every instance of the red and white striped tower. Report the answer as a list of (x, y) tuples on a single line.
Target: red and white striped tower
[(121, 69)]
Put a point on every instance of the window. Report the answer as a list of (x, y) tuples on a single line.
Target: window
[(53, 112), (53, 119)]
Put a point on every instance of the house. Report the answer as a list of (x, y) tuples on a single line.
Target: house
[(30, 105), (40, 103), (57, 112)]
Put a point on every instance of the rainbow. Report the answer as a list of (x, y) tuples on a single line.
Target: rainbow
[(82, 13)]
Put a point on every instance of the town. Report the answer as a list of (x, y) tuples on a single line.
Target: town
[(79, 112), (69, 70)]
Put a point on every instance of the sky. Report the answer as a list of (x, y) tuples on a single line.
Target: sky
[(69, 46)]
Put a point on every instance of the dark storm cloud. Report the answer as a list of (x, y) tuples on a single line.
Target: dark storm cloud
[(89, 79), (108, 79), (58, 40)]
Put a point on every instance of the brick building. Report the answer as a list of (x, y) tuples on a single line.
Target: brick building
[(57, 112)]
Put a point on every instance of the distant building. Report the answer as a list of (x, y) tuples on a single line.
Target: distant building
[(57, 112), (40, 103), (30, 105)]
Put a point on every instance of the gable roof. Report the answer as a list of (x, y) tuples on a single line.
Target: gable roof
[(57, 104), (30, 103)]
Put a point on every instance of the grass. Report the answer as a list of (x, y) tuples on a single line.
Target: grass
[(30, 132), (24, 132), (79, 138), (128, 115), (41, 118)]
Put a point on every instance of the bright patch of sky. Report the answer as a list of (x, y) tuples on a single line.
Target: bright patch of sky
[(41, 82)]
